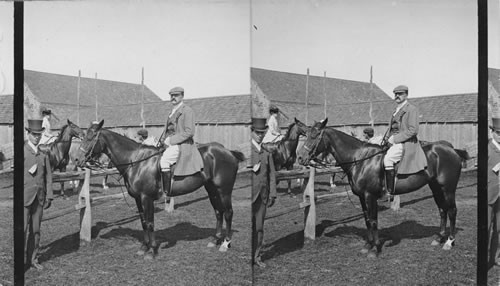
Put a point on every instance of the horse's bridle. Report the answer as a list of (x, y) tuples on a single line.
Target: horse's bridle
[(312, 150), (88, 152)]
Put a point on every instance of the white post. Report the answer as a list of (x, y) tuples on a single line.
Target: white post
[(310, 210), (85, 212)]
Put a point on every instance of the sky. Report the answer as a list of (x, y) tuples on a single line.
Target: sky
[(430, 46), (203, 46)]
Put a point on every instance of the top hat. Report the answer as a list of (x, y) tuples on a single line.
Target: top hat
[(368, 131), (35, 126), (401, 88), (496, 124), (259, 124), (143, 132), (176, 90)]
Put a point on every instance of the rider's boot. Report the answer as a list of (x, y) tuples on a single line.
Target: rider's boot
[(389, 180), (166, 181)]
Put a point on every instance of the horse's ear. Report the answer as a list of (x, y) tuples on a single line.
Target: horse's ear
[(296, 120), (323, 123), (101, 124), (69, 122)]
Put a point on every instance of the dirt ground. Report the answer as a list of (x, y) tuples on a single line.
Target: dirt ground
[(110, 258), (334, 258)]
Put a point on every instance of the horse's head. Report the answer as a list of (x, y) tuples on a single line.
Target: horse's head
[(75, 131), (302, 129), (312, 146), (91, 146)]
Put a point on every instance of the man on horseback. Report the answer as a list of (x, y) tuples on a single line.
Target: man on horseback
[(263, 186), (38, 193), (402, 139), (273, 133), (178, 139)]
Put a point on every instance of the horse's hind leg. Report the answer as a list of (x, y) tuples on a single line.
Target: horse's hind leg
[(437, 193), (216, 204), (228, 217), (145, 242)]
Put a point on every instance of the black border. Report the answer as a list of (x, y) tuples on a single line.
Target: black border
[(18, 143)]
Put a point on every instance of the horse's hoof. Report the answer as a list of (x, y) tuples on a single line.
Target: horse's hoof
[(449, 244), (435, 242), (211, 244), (372, 254), (225, 245), (142, 250), (105, 188), (149, 256), (366, 248), (260, 263)]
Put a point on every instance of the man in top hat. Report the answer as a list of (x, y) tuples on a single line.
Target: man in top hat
[(38, 193), (273, 133), (263, 186), (493, 194), (178, 139), (47, 135), (402, 139), (368, 136), (145, 139)]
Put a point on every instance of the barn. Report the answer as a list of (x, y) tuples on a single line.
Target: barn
[(352, 106), (6, 131), (223, 119)]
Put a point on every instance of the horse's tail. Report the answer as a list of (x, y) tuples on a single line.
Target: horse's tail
[(238, 155), (464, 155)]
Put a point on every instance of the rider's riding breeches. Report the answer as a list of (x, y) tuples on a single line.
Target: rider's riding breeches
[(393, 156)]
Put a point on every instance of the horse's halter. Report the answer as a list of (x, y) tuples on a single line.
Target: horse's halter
[(89, 151), (312, 150)]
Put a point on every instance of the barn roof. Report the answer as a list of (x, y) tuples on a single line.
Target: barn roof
[(62, 89), (284, 86), (234, 109), (494, 78), (6, 109), (444, 109)]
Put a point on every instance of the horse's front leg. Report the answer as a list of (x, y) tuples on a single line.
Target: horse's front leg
[(145, 243), (452, 213), (369, 240), (373, 224), (148, 204)]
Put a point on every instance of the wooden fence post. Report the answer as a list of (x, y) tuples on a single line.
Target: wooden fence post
[(310, 210), (85, 212)]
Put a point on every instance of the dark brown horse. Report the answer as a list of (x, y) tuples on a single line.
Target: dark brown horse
[(363, 164), (139, 166), (58, 151), (284, 152)]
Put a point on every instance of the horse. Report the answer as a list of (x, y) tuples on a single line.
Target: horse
[(363, 164), (138, 164), (58, 150), (284, 152)]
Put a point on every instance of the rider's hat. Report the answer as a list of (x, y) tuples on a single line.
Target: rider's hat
[(142, 132), (401, 88), (495, 124), (368, 131), (35, 126), (259, 124), (46, 111), (176, 91), (273, 108)]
